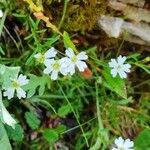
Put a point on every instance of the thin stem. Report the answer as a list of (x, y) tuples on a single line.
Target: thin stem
[(64, 13), (74, 114)]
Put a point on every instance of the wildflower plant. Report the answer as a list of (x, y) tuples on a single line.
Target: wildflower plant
[(52, 87)]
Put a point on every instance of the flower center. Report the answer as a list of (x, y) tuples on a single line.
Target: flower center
[(118, 67), (56, 66), (41, 59), (74, 59), (15, 84)]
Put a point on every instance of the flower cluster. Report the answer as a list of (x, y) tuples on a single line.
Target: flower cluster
[(65, 65), (118, 67), (121, 144)]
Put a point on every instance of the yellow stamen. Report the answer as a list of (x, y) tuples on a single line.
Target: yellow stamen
[(15, 84), (74, 59)]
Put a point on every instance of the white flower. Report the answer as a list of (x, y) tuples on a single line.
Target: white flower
[(41, 58), (72, 61), (122, 144), (4, 114), (118, 67), (53, 67), (16, 85), (1, 13)]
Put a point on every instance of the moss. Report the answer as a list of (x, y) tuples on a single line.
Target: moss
[(83, 15)]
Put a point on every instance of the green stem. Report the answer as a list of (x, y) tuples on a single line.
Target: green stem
[(64, 13), (74, 115)]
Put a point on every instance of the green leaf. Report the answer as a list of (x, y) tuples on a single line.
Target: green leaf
[(142, 142), (32, 120), (4, 141), (50, 135), (16, 134), (67, 41), (36, 82), (60, 129), (64, 110), (8, 73), (115, 84)]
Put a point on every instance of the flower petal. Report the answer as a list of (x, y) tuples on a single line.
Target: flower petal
[(69, 52), (64, 71), (48, 70), (9, 93), (81, 65), (122, 74), (71, 68), (50, 53), (114, 72), (65, 62), (119, 142), (126, 67), (121, 59), (113, 63), (22, 80), (48, 62), (54, 75), (114, 148), (128, 143), (82, 56), (21, 93)]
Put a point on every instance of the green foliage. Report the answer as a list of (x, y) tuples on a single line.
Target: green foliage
[(32, 120), (142, 142), (115, 84), (8, 73), (67, 41), (16, 134), (37, 82), (64, 110), (50, 135), (4, 141)]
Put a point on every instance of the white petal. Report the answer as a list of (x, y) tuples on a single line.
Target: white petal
[(81, 65), (119, 142), (1, 13), (65, 62), (82, 56), (48, 70), (48, 62), (64, 71), (128, 143), (121, 59), (70, 52), (126, 67), (113, 63), (21, 93), (6, 117), (114, 72), (50, 53), (54, 75), (22, 80), (115, 149), (9, 93), (71, 68), (122, 74), (38, 55)]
